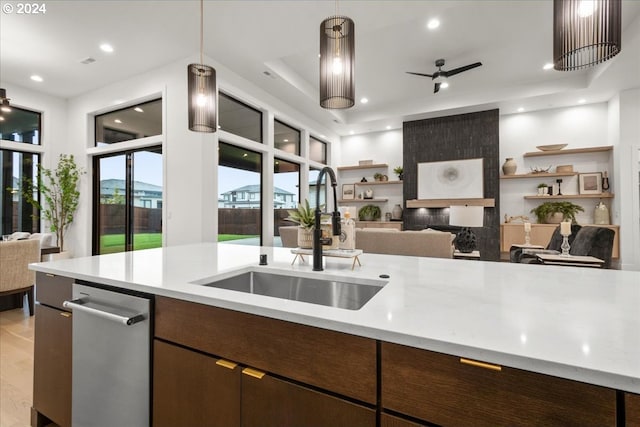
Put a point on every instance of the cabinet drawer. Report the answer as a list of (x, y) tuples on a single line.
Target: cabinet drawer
[(440, 389), (272, 402), (52, 290), (342, 363), (632, 409)]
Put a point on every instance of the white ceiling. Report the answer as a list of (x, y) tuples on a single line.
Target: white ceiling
[(513, 40)]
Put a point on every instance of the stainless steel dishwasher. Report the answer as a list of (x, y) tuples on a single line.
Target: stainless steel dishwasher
[(111, 358)]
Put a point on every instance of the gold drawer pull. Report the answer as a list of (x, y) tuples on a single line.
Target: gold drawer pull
[(480, 364), (65, 314), (227, 364), (50, 275), (253, 373)]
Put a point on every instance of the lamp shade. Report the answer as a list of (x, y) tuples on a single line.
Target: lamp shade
[(337, 62), (203, 94), (585, 32), (466, 216)]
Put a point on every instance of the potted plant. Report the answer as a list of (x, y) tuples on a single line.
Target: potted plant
[(304, 216), (399, 170), (542, 189), (59, 189), (377, 176), (556, 212), (369, 213)]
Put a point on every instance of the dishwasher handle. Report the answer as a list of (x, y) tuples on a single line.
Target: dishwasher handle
[(81, 304)]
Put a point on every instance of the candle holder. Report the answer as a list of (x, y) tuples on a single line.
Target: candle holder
[(527, 238), (559, 181), (565, 245)]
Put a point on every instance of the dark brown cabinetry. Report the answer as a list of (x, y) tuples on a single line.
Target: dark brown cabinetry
[(448, 390), (52, 352), (632, 406)]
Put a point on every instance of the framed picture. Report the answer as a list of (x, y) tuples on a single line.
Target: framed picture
[(455, 179), (590, 183), (348, 191)]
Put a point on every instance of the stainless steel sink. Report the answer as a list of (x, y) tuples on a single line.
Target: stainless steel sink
[(332, 293)]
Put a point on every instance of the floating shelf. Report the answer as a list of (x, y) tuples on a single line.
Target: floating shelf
[(374, 166), (362, 200), (445, 203), (539, 175), (378, 183), (569, 151), (573, 196)]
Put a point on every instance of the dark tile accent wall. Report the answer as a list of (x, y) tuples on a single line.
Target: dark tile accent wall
[(465, 136)]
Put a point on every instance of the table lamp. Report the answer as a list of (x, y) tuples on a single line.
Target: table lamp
[(466, 216)]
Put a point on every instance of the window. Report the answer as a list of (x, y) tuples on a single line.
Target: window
[(137, 121), (17, 213), (238, 118), (313, 184), (128, 206), (286, 194), (20, 125), (286, 138), (317, 150), (239, 172)]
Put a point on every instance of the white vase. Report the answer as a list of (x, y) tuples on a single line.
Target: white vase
[(509, 167), (601, 214), (396, 212), (305, 238)]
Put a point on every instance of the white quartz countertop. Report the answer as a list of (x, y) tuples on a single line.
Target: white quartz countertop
[(571, 322)]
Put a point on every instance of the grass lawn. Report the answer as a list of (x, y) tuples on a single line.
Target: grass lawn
[(115, 242), (226, 237)]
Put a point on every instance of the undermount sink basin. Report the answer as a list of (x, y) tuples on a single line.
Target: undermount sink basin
[(332, 293)]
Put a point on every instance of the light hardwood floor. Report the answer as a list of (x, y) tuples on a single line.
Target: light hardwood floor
[(16, 367)]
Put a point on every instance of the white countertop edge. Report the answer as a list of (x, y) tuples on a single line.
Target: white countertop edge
[(605, 379)]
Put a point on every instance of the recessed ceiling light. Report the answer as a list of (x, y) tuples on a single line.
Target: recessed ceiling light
[(433, 24), (285, 140), (520, 110), (106, 47), (118, 121), (1, 119), (364, 100), (547, 66), (582, 101), (388, 127), (245, 155), (444, 85), (351, 132), (138, 109), (37, 78), (323, 136)]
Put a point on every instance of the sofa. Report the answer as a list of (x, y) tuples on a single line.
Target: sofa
[(45, 239), (426, 243)]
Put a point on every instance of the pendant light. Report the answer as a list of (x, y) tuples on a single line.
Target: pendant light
[(337, 62), (203, 91), (585, 32)]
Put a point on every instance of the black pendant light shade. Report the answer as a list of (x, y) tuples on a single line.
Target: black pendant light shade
[(585, 32), (203, 115), (337, 62)]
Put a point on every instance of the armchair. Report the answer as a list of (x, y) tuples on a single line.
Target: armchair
[(15, 276)]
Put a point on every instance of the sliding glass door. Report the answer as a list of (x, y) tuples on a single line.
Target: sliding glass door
[(128, 201)]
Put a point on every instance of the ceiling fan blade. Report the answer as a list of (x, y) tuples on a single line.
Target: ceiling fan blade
[(436, 87), (461, 69), (419, 74)]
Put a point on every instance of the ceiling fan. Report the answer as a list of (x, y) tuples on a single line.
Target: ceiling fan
[(439, 76)]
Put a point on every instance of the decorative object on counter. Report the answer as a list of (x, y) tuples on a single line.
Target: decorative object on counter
[(601, 214), (368, 194), (347, 233), (304, 216), (605, 182), (564, 169), (348, 191), (551, 147), (556, 212), (565, 230), (585, 33), (364, 179), (399, 170), (387, 216), (202, 91), (454, 179), (369, 213), (527, 232), (542, 189), (559, 181), (377, 176), (522, 218), (538, 169), (465, 217), (396, 212), (385, 178), (59, 189), (590, 183), (509, 166), (365, 162)]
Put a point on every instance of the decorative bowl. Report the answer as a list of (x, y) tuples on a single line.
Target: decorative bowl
[(552, 147)]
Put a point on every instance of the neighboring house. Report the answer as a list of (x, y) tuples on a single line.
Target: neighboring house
[(249, 197), (312, 193), (144, 195)]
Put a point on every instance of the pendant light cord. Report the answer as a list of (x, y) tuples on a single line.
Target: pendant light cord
[(201, 29)]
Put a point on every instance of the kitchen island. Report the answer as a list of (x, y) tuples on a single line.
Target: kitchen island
[(577, 327)]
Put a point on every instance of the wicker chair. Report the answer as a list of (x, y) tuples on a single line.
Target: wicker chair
[(15, 276)]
